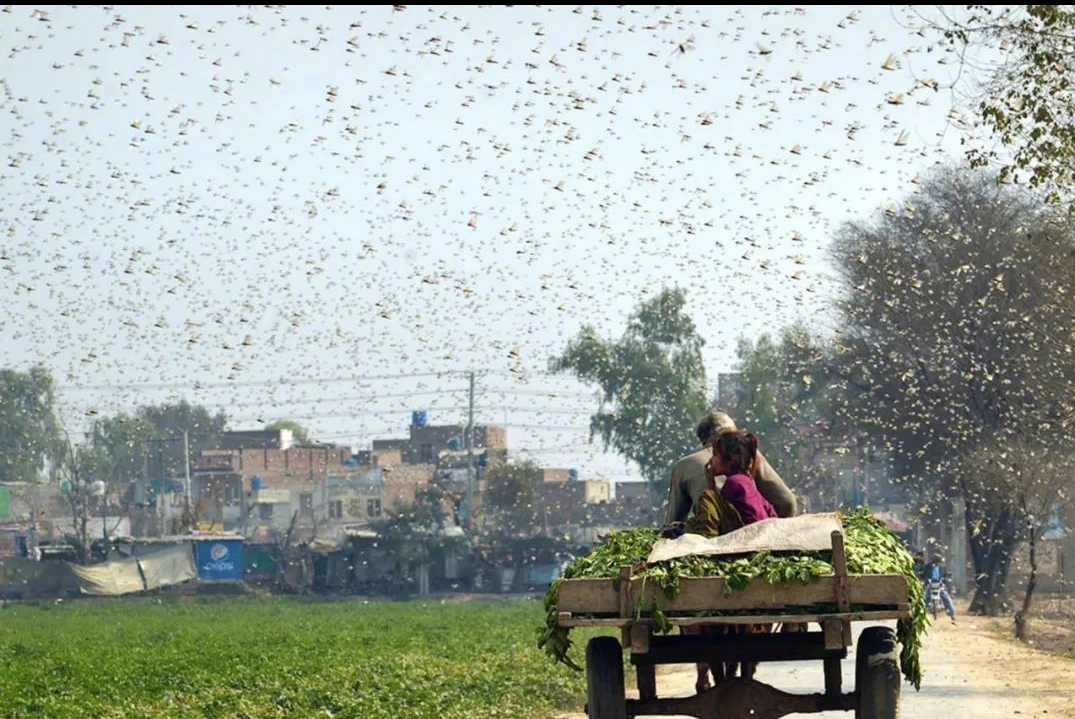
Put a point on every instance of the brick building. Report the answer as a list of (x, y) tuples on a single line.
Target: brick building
[(426, 442), (256, 481)]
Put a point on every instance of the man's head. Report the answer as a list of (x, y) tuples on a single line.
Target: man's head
[(712, 424)]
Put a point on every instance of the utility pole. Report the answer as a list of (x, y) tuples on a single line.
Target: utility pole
[(470, 453), (145, 478), (325, 512), (160, 488), (186, 473)]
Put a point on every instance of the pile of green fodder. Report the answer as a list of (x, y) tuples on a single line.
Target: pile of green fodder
[(870, 547)]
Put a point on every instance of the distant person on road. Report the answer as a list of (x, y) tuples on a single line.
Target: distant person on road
[(920, 565), (935, 574)]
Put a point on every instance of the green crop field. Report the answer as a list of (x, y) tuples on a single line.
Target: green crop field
[(234, 658)]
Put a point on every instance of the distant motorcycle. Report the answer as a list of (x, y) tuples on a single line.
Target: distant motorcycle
[(934, 603)]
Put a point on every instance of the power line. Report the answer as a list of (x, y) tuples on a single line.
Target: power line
[(364, 410), (361, 412), (372, 397), (547, 427), (255, 383), (229, 405), (364, 398), (572, 449), (333, 415), (550, 394), (289, 382), (539, 392), (367, 432), (568, 449), (382, 411)]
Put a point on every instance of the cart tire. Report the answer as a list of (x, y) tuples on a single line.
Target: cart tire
[(877, 674), (605, 695)]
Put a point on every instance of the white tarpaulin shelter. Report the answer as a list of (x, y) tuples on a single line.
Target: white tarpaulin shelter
[(168, 566), (119, 576), (160, 568), (806, 533)]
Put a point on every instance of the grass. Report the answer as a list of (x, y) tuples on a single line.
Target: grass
[(239, 658)]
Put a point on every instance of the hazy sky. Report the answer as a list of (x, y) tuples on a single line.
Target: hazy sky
[(277, 212)]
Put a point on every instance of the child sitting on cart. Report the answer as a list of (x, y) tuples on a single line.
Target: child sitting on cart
[(737, 504), (735, 455)]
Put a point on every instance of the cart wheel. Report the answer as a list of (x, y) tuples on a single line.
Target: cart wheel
[(877, 674), (605, 694)]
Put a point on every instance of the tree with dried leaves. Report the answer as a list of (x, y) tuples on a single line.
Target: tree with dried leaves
[(1024, 57), (957, 328), (1029, 479)]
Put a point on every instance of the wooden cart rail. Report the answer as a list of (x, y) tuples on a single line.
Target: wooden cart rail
[(595, 597), (622, 603), (566, 619)]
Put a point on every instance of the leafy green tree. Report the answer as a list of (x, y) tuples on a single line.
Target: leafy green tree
[(150, 440), (78, 469), (781, 398), (425, 516), (764, 396), (510, 492), (298, 432), (413, 532), (652, 382), (30, 433)]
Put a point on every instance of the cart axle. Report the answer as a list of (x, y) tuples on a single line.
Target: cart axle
[(738, 698)]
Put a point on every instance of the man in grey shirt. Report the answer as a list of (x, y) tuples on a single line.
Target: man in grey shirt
[(689, 478)]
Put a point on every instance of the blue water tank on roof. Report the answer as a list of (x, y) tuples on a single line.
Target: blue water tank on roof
[(418, 418), (573, 475)]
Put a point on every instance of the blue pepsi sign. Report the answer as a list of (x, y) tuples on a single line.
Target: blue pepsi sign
[(220, 559)]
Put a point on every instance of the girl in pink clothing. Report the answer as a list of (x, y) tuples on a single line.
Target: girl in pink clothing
[(735, 456)]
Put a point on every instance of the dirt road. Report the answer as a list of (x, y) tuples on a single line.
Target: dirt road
[(970, 672)]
